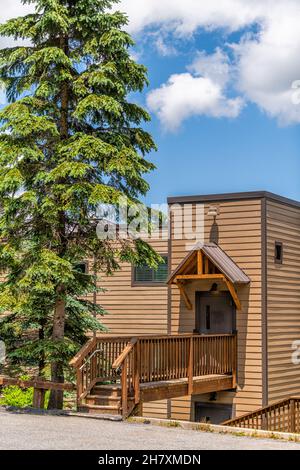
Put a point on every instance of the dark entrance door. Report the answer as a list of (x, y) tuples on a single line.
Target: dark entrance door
[(215, 313), (213, 413)]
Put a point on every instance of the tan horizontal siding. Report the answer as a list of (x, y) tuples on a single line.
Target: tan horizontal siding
[(156, 409), (134, 310), (239, 234), (283, 224)]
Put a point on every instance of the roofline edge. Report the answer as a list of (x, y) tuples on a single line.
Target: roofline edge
[(233, 197)]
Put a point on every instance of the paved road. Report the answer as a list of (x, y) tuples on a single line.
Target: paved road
[(28, 431)]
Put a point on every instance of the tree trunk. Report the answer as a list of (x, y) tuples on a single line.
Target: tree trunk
[(42, 362), (57, 370)]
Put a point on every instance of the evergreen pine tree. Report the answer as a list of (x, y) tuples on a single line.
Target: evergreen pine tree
[(70, 139)]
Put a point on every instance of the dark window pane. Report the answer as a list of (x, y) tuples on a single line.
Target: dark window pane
[(161, 273), (81, 267), (143, 274), (278, 252), (208, 317), (146, 274)]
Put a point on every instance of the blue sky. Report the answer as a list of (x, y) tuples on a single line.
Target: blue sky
[(224, 114), (208, 155)]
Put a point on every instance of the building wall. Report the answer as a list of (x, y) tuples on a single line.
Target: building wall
[(135, 310), (238, 232), (145, 310), (283, 300)]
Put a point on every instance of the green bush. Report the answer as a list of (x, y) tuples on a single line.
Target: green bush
[(16, 396)]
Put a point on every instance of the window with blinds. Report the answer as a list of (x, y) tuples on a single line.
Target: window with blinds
[(144, 274)]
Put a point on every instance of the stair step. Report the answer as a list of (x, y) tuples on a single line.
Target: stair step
[(103, 399), (100, 409), (106, 390)]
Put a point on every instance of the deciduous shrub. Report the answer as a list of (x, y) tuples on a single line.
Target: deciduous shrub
[(14, 395)]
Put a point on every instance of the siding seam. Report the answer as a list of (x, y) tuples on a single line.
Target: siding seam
[(264, 323)]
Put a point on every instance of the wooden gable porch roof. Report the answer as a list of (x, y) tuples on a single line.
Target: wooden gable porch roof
[(218, 258), (195, 266)]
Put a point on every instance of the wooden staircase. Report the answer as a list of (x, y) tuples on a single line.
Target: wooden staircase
[(117, 374), (105, 399)]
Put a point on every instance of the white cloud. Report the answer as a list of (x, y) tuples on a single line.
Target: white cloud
[(214, 66), (185, 17), (202, 91), (186, 95), (264, 65), (13, 8), (163, 48), (269, 63)]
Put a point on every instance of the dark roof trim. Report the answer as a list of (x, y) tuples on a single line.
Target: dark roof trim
[(234, 197)]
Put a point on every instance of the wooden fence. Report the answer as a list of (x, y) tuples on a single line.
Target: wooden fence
[(39, 385), (282, 416)]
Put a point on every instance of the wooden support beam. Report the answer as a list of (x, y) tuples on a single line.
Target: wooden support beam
[(200, 277), (187, 301), (206, 265), (199, 262), (233, 293)]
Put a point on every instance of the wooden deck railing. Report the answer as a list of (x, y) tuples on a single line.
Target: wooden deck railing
[(282, 416), (94, 362), (134, 361)]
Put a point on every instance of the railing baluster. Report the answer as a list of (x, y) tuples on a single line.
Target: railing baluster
[(191, 367)]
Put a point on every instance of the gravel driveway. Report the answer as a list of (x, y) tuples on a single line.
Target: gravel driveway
[(29, 431)]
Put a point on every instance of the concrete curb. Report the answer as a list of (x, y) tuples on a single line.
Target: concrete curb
[(218, 429)]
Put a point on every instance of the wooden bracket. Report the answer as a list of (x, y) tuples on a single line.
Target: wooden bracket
[(187, 301), (233, 293)]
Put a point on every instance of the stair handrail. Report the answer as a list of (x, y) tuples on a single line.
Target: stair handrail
[(122, 363), (89, 358), (126, 351), (83, 352)]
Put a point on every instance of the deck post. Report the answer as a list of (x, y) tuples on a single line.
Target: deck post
[(124, 388), (234, 361), (191, 366), (79, 385), (137, 374), (292, 416), (38, 398)]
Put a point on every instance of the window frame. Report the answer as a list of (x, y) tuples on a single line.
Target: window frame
[(85, 263), (135, 283), (280, 245)]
